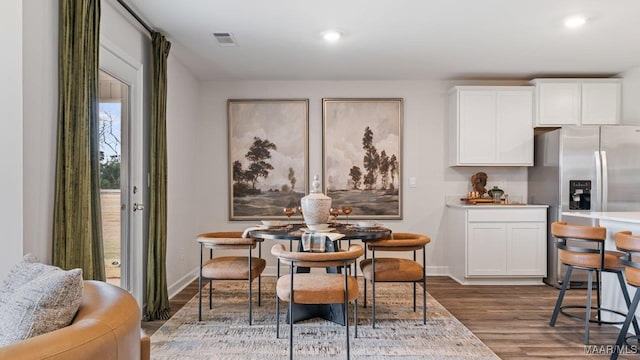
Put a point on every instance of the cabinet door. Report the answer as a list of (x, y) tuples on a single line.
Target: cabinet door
[(486, 249), (526, 249), (514, 127), (477, 114), (558, 103), (601, 103)]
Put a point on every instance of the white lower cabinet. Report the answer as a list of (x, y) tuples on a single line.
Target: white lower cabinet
[(498, 244)]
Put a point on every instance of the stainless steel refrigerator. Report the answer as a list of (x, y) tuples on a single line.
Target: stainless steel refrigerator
[(584, 168)]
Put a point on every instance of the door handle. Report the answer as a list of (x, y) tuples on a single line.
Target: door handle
[(138, 207)]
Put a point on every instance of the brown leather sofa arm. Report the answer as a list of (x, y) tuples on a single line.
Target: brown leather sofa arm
[(145, 346), (107, 326)]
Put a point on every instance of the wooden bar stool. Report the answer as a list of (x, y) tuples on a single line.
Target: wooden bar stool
[(630, 244), (586, 252)]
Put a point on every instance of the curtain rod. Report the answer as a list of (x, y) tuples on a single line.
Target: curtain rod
[(133, 13)]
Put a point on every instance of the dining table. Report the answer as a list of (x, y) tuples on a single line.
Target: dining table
[(294, 232)]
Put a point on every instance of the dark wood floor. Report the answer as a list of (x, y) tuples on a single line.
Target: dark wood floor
[(512, 320)]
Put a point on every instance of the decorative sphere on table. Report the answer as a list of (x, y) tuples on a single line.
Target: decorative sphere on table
[(316, 205)]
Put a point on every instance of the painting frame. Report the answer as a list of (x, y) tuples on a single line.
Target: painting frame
[(345, 123), (266, 137)]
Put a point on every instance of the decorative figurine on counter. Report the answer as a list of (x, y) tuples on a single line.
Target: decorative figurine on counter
[(478, 182)]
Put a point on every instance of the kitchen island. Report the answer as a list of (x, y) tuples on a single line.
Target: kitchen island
[(614, 221), (497, 244)]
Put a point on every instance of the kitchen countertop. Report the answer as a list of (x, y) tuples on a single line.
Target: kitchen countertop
[(623, 216), (493, 206)]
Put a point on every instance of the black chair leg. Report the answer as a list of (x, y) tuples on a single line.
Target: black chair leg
[(373, 306), (587, 316), (277, 317), (627, 299), (277, 302), (355, 317), (291, 297), (365, 279), (346, 310), (414, 297), (365, 293), (210, 294), (200, 298), (250, 302), (565, 284), (424, 300), (259, 290), (625, 327), (599, 284)]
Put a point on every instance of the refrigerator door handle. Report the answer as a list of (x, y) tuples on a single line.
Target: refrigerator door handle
[(598, 180), (604, 182)]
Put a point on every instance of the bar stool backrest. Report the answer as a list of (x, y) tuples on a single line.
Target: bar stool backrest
[(582, 242), (630, 244), (561, 230)]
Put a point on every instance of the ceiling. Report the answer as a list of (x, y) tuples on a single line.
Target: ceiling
[(398, 39)]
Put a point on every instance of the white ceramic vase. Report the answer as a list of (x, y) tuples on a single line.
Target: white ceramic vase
[(316, 205)]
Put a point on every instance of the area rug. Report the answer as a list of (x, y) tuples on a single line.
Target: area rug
[(224, 332)]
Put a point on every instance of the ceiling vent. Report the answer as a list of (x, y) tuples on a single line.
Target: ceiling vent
[(225, 39)]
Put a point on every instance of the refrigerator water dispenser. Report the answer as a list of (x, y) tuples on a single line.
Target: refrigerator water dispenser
[(579, 194)]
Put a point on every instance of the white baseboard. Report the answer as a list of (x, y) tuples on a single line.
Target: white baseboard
[(175, 288)]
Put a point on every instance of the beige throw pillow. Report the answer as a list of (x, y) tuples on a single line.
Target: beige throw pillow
[(46, 302), (27, 269)]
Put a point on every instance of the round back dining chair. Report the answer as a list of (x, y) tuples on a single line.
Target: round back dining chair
[(317, 287), (231, 267), (393, 269)]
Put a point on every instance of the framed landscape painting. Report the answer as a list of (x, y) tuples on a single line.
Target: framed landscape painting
[(362, 156), (268, 156)]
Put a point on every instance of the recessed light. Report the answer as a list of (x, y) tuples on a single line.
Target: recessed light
[(575, 21), (332, 35)]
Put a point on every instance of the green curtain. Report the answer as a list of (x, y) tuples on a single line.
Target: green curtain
[(157, 293), (77, 226)]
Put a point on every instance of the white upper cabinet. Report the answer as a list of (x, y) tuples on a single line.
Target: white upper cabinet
[(491, 126), (577, 102)]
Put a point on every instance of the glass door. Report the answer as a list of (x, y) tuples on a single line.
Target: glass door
[(113, 114), (122, 168)]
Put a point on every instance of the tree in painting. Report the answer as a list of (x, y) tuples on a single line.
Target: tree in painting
[(377, 165), (258, 153), (292, 179), (356, 177), (393, 170), (370, 160), (362, 155)]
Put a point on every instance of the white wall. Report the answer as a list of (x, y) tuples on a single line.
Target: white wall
[(424, 156), (40, 118), (118, 27), (631, 96), (11, 161), (184, 181)]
